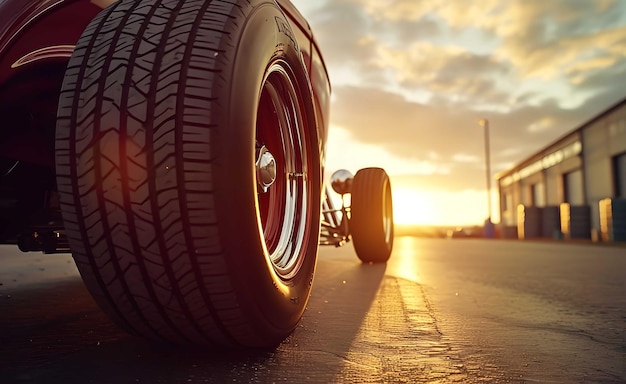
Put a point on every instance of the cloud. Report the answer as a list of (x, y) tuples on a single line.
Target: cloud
[(346, 152), (446, 71), (449, 136), (343, 30), (412, 131), (542, 124), (538, 39)]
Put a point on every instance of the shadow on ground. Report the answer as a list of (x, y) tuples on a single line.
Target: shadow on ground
[(55, 333)]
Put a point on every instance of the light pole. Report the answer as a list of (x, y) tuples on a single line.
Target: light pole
[(485, 124)]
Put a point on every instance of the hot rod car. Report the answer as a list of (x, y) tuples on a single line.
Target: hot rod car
[(176, 148)]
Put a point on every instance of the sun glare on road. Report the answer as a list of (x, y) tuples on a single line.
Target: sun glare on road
[(404, 262)]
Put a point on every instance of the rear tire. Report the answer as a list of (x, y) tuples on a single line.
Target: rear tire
[(163, 110), (371, 221)]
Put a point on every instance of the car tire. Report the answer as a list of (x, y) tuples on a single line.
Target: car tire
[(371, 215), (166, 111)]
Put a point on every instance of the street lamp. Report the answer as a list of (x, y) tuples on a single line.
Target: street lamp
[(485, 124)]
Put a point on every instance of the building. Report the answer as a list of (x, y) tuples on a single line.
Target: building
[(574, 187)]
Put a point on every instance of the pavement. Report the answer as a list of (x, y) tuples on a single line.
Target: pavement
[(440, 311)]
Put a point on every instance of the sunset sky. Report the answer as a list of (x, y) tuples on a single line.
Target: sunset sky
[(411, 80)]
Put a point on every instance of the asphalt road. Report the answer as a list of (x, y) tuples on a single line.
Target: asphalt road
[(440, 311)]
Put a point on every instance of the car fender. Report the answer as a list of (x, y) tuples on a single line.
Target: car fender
[(35, 30)]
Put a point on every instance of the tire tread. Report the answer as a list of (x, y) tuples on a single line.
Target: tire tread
[(143, 222), (366, 222)]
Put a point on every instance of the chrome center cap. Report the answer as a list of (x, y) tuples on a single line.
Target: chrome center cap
[(265, 169)]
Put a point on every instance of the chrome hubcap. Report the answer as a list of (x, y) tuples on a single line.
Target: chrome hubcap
[(265, 169)]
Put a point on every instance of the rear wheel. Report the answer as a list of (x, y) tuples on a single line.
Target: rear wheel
[(189, 170), (371, 220)]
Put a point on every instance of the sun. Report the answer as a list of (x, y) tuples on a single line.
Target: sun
[(413, 207), (416, 206)]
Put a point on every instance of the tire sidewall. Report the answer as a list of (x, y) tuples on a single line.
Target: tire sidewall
[(275, 304)]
